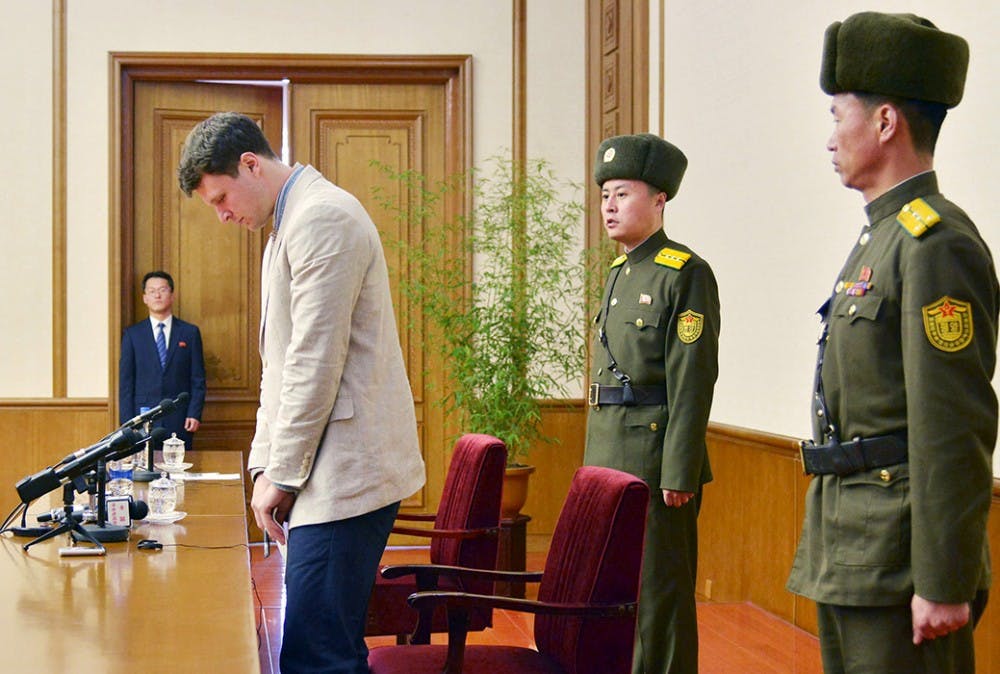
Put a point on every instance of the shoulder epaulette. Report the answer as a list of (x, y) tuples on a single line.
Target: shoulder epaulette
[(670, 257), (917, 217), (619, 261)]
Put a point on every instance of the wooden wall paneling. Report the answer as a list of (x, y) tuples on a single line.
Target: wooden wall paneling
[(59, 182), (35, 434), (750, 520), (555, 463), (617, 84), (721, 529)]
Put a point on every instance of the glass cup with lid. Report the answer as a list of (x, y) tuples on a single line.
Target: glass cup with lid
[(173, 451), (162, 496)]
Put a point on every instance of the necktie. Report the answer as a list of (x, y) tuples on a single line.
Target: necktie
[(161, 345)]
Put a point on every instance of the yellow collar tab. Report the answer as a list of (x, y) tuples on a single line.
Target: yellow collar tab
[(917, 217), (619, 261)]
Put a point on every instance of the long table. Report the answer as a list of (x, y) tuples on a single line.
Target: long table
[(179, 609)]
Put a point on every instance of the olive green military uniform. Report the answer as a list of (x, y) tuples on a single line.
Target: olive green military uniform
[(905, 417), (911, 352), (660, 313)]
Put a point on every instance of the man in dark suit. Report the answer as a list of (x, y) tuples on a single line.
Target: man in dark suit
[(161, 358)]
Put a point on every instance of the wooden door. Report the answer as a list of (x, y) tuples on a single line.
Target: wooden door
[(215, 266), (340, 129)]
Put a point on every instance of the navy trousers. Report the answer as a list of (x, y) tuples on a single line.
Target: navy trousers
[(329, 575)]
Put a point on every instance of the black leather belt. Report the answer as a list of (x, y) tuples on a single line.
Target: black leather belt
[(616, 395), (845, 458)]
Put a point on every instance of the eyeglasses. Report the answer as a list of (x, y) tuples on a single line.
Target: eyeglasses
[(165, 290)]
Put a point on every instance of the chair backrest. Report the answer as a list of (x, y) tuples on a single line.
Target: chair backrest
[(471, 500), (595, 557)]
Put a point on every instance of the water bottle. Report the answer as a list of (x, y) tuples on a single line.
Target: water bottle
[(119, 478), (141, 458)]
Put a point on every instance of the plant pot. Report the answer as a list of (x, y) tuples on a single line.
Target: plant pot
[(515, 490)]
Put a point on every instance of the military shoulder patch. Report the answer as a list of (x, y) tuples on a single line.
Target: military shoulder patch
[(619, 261), (948, 324), (689, 326), (669, 257), (917, 217)]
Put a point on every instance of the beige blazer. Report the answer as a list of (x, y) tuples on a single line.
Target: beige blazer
[(336, 415)]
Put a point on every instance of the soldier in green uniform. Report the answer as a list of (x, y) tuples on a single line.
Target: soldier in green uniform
[(894, 546), (655, 366)]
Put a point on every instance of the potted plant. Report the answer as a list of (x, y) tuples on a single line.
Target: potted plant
[(510, 331)]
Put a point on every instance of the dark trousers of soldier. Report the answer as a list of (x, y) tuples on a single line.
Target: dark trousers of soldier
[(667, 635), (879, 640)]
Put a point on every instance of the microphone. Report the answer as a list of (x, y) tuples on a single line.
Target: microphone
[(138, 510), (166, 406), (57, 514), (116, 437), (79, 515), (33, 486), (157, 435)]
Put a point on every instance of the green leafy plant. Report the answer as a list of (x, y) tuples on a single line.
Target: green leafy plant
[(509, 327)]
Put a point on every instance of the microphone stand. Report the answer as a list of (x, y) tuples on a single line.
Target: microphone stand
[(146, 473), (69, 524), (102, 531)]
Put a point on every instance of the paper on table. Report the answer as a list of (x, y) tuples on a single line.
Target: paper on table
[(205, 476)]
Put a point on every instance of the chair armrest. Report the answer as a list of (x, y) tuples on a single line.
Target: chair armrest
[(417, 517), (461, 572), (420, 600), (447, 533)]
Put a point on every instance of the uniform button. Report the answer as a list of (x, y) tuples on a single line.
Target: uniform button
[(853, 309), (614, 301), (600, 370), (840, 286), (628, 270), (653, 426), (865, 238), (639, 323), (819, 413), (885, 475)]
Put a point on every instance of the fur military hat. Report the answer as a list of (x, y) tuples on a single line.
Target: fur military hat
[(899, 55), (642, 157)]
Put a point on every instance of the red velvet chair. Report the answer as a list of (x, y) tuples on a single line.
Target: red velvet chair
[(586, 609), (465, 533)]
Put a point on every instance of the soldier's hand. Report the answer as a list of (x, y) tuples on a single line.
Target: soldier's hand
[(674, 499), (932, 620)]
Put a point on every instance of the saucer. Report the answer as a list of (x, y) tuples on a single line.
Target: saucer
[(165, 518), (174, 467)]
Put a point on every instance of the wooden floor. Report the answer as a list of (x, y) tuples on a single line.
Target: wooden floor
[(734, 638)]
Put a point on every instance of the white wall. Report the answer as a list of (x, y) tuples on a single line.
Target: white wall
[(482, 28), (760, 199), (26, 200), (556, 97)]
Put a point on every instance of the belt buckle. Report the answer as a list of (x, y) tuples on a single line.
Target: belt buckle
[(594, 396)]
